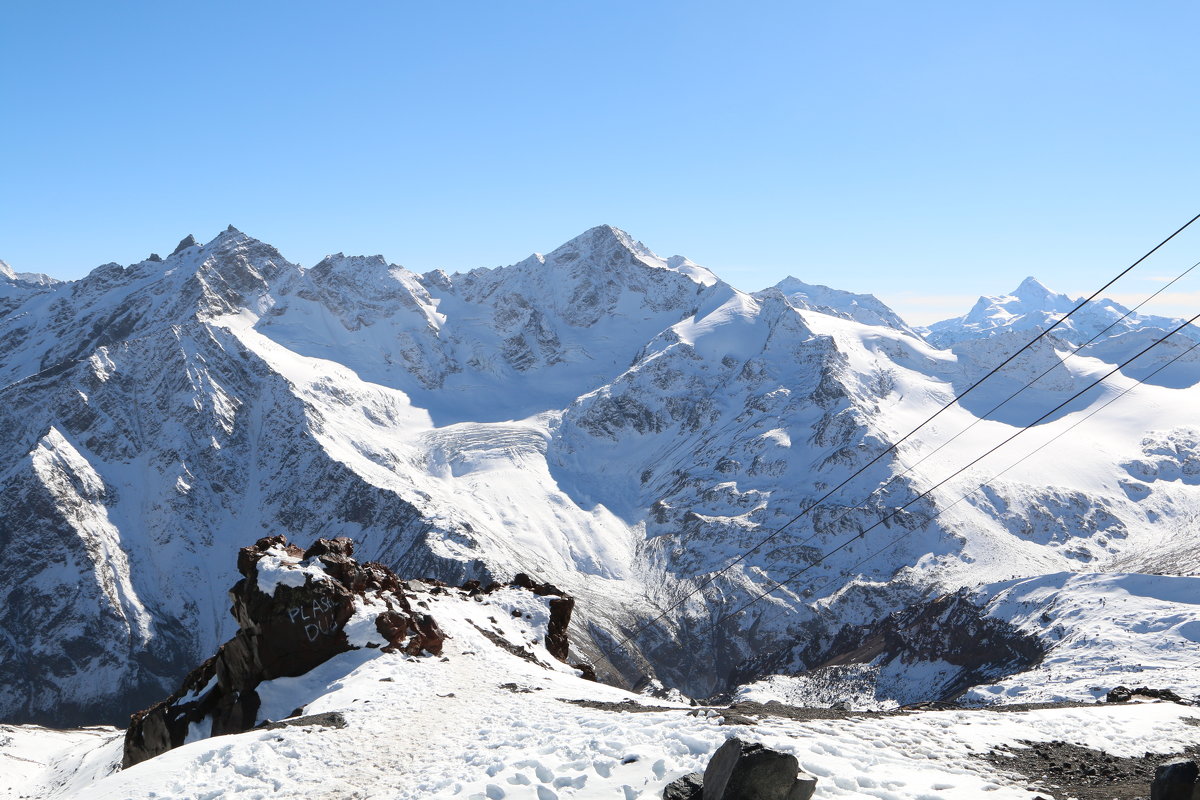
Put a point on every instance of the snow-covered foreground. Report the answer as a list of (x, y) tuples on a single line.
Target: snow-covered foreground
[(481, 722)]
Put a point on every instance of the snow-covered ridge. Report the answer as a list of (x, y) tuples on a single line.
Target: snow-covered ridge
[(33, 278), (864, 308)]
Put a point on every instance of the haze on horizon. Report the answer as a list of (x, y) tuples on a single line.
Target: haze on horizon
[(927, 154)]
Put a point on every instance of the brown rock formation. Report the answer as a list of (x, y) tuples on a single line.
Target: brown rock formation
[(281, 634)]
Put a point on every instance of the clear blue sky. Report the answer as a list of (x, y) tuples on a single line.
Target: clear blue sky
[(925, 152)]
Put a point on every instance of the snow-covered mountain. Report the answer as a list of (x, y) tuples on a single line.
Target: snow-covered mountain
[(620, 424), (7, 274), (1031, 308)]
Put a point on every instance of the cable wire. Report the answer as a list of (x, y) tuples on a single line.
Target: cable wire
[(712, 577), (1060, 363), (952, 475), (1138, 382)]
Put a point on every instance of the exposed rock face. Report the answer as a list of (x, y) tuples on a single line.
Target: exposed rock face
[(950, 630), (184, 244), (292, 607), (742, 771)]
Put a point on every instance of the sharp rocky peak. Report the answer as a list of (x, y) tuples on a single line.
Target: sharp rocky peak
[(600, 240)]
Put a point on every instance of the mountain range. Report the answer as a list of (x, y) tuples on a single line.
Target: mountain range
[(620, 424)]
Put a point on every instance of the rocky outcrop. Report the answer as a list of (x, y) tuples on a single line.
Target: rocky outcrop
[(184, 244), (745, 771), (561, 607), (1123, 694), (292, 607)]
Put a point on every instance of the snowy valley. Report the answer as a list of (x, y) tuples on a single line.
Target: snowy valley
[(624, 427)]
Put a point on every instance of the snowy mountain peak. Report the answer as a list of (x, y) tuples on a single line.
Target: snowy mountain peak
[(1033, 292), (602, 417), (601, 241), (371, 274), (7, 272), (1033, 307), (231, 237)]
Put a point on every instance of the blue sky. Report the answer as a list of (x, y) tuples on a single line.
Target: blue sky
[(925, 152)]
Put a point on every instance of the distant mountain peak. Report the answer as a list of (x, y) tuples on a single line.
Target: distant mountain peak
[(602, 238), (1032, 290), (1031, 284), (33, 278)]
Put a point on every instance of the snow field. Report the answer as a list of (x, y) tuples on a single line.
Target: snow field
[(1104, 630)]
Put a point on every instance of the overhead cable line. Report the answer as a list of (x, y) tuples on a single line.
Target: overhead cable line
[(1059, 363), (952, 475), (1137, 382), (743, 556)]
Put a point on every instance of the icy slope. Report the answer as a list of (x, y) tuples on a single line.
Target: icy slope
[(1103, 630)]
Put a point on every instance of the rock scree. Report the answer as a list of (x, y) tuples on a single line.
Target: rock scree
[(291, 606)]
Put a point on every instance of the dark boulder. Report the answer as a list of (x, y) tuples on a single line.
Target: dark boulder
[(1118, 694), (588, 672), (291, 607), (742, 771), (1176, 780), (541, 589)]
